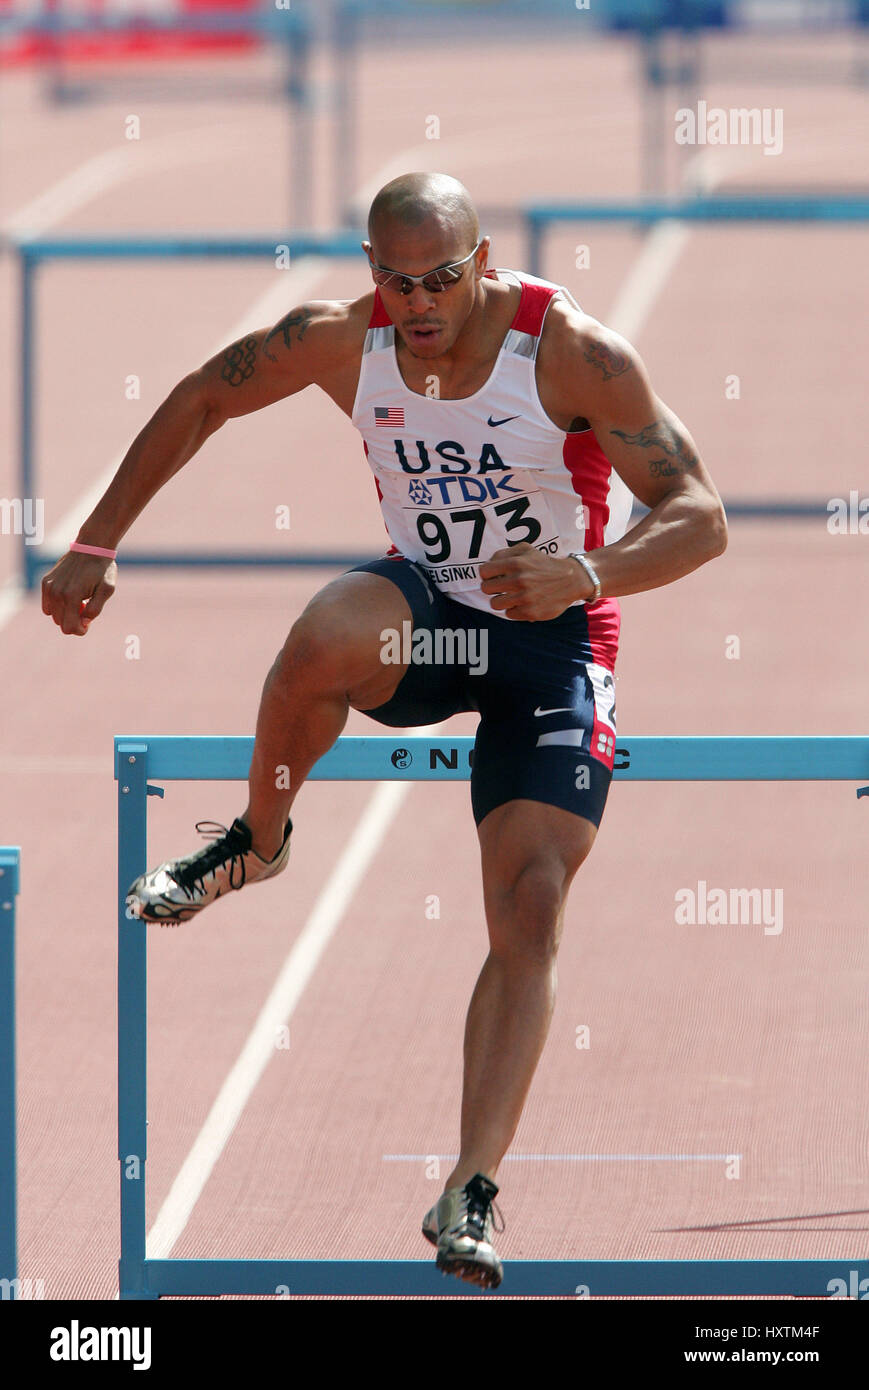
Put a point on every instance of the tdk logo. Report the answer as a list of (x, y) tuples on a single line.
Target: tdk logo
[(451, 457), (446, 490)]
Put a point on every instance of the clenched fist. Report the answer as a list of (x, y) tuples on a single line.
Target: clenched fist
[(527, 585), (75, 591)]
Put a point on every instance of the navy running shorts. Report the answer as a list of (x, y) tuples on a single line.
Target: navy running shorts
[(547, 707)]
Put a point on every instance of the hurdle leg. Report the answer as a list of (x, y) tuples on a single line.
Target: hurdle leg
[(132, 775), (8, 1196)]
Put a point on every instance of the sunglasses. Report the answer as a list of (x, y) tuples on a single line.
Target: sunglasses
[(434, 281)]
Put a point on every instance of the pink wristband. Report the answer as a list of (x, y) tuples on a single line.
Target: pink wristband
[(93, 550)]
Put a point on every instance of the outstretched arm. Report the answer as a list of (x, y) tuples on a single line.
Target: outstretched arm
[(259, 369)]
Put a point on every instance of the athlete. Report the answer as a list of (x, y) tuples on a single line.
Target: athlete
[(506, 430)]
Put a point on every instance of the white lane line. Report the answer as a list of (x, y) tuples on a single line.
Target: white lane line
[(649, 274), (644, 284), (475, 151), (295, 973), (660, 251), (127, 160), (572, 1158), (423, 158)]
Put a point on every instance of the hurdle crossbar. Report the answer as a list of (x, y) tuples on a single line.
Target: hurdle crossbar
[(139, 759), (9, 885), (843, 210)]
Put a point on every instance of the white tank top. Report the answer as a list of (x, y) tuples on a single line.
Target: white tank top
[(460, 479)]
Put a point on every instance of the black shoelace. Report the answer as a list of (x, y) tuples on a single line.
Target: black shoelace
[(229, 846), (478, 1210)]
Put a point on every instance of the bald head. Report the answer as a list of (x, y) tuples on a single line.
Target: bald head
[(412, 200)]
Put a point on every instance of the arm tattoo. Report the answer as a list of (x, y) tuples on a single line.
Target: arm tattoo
[(300, 319), (239, 361), (610, 361), (678, 456)]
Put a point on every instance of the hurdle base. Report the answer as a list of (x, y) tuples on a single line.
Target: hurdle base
[(552, 1278)]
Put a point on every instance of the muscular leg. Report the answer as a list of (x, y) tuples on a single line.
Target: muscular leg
[(330, 661), (530, 853)]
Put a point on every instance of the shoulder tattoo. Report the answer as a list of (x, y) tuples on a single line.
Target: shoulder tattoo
[(297, 319), (609, 360)]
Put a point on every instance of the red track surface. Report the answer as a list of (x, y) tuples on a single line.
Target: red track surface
[(702, 1039)]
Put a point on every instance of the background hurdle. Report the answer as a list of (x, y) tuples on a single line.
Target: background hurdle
[(36, 252), (843, 210), (646, 213), (9, 881), (537, 220), (141, 758), (84, 54)]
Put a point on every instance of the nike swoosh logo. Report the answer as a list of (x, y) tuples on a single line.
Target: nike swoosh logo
[(506, 420), (565, 709)]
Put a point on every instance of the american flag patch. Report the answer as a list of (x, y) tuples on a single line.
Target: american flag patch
[(389, 417)]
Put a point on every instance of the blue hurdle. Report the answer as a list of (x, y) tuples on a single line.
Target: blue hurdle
[(646, 212), (34, 252), (9, 884), (139, 759)]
